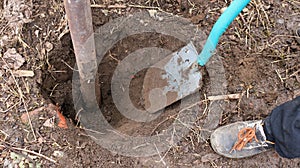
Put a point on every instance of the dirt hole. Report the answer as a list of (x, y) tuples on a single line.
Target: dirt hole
[(57, 80)]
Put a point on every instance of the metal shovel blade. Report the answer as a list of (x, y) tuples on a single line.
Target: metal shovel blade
[(171, 79)]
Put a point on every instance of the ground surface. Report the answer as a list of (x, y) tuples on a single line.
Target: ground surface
[(260, 53)]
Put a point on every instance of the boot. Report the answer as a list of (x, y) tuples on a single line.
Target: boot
[(240, 139)]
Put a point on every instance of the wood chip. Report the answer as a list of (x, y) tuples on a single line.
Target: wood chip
[(23, 73), (224, 97)]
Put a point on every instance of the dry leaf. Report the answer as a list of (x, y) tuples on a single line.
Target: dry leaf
[(50, 109), (32, 114), (13, 59)]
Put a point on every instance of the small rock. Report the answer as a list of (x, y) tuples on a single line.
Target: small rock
[(245, 10), (58, 154), (50, 122), (105, 12), (152, 13), (280, 21), (48, 46), (223, 9), (232, 37), (6, 163)]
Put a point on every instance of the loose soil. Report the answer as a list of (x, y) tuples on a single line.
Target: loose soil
[(259, 51)]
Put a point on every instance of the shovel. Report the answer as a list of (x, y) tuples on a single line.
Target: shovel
[(178, 75), (79, 17)]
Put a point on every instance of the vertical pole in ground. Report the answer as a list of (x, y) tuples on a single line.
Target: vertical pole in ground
[(79, 17)]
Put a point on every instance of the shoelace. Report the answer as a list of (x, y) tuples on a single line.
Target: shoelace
[(245, 135)]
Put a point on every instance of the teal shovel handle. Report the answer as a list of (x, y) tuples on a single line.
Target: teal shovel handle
[(219, 28)]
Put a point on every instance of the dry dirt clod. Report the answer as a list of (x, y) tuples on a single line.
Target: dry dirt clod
[(198, 18)]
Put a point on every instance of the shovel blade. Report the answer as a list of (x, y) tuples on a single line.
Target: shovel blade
[(171, 79)]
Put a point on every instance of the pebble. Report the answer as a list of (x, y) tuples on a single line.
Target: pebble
[(245, 10), (223, 9), (48, 46), (280, 21), (59, 154)]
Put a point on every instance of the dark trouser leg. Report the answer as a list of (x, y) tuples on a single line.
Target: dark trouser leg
[(282, 126)]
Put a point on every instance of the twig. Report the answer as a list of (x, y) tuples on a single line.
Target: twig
[(69, 66), (209, 98), (108, 6), (94, 131), (206, 105), (295, 73), (10, 107), (114, 58), (124, 6), (282, 35), (29, 151), (163, 121), (52, 91), (281, 79), (161, 158), (224, 97), (5, 134), (213, 98), (239, 103), (23, 42)]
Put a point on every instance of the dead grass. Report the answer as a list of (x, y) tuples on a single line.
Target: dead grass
[(257, 16)]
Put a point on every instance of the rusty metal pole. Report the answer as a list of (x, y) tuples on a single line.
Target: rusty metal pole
[(79, 17)]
